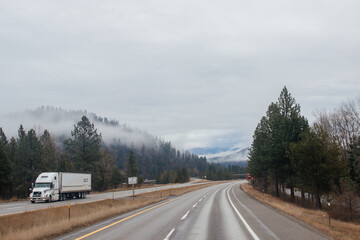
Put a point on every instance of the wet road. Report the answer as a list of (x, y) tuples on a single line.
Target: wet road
[(218, 212)]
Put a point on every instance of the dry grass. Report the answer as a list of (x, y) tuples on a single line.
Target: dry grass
[(54, 221), (319, 219), (175, 191)]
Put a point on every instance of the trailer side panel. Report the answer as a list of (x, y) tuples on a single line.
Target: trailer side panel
[(75, 182)]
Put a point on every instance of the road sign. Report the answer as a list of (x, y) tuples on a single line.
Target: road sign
[(249, 177), (132, 180)]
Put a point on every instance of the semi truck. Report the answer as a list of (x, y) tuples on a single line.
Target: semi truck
[(59, 186)]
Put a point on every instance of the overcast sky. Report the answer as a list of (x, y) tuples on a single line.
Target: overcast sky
[(198, 73)]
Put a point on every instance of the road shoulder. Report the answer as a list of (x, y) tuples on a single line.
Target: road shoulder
[(317, 219)]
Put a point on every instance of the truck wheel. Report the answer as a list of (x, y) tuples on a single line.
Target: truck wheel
[(49, 199), (32, 201)]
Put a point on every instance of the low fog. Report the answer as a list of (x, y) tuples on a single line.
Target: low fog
[(60, 123)]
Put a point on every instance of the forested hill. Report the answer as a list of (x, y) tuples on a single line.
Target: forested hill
[(51, 139), (60, 122), (153, 154)]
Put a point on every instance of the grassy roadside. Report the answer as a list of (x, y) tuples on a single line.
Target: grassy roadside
[(318, 219), (54, 221), (175, 191), (46, 223)]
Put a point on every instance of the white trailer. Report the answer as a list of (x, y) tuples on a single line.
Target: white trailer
[(58, 186)]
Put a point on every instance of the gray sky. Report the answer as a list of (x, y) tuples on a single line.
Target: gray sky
[(197, 73)]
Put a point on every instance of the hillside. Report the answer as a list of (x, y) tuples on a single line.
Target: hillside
[(60, 122), (154, 155)]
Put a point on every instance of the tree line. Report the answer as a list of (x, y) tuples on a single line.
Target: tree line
[(23, 158), (321, 161)]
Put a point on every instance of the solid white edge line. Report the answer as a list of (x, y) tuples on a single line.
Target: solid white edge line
[(253, 234), (169, 234), (255, 217), (186, 214)]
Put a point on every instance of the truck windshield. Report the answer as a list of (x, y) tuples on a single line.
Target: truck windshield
[(42, 185)]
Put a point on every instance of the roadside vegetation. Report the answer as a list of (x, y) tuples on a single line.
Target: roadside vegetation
[(317, 218), (313, 166)]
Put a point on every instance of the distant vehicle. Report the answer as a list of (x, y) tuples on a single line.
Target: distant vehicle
[(58, 186)]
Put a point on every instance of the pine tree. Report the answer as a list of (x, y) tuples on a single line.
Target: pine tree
[(102, 172), (132, 168), (269, 156), (292, 125), (49, 154), (84, 149), (34, 156), (354, 162), (316, 163), (116, 178), (20, 164), (5, 168)]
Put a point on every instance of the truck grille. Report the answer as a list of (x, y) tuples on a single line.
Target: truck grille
[(37, 194)]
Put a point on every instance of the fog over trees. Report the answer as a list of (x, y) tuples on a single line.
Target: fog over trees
[(110, 162)]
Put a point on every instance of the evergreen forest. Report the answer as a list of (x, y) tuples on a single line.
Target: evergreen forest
[(318, 164), (23, 158)]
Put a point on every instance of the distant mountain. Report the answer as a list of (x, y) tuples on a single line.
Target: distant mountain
[(221, 155), (207, 151)]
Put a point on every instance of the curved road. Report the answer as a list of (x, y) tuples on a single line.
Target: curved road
[(222, 211)]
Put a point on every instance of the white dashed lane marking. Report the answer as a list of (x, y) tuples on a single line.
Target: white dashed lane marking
[(169, 234), (186, 214)]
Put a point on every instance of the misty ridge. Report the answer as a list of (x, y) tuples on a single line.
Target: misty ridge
[(60, 123)]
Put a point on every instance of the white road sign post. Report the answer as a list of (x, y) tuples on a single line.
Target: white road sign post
[(133, 181)]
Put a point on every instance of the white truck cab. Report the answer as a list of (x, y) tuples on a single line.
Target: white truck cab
[(46, 187)]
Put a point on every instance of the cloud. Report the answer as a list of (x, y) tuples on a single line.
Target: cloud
[(190, 71)]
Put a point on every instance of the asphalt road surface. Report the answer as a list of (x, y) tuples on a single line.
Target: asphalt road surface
[(222, 212), (22, 206)]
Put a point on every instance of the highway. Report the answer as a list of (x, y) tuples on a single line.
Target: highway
[(222, 211), (22, 206)]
